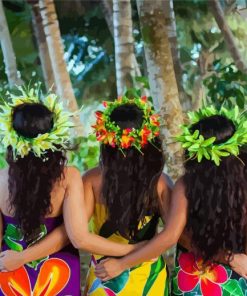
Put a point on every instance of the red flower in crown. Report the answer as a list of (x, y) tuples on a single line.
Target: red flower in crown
[(154, 120), (110, 139), (145, 132), (108, 132), (106, 137), (193, 273), (101, 135), (99, 114), (144, 99), (100, 124), (126, 139)]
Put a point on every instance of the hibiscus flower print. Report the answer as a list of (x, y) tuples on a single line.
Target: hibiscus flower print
[(192, 273)]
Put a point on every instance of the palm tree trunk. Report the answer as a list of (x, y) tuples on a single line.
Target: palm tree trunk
[(8, 51), (106, 6), (228, 36), (172, 37), (42, 46), (162, 79), (56, 52), (124, 44)]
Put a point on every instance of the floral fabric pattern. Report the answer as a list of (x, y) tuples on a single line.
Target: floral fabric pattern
[(58, 274), (192, 278), (53, 276), (146, 279)]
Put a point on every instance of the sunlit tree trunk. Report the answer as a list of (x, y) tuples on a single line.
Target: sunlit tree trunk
[(8, 51), (162, 79), (124, 44), (42, 46), (56, 52), (172, 36), (108, 13), (107, 9), (218, 14)]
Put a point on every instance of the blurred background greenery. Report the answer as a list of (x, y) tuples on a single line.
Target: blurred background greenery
[(208, 69)]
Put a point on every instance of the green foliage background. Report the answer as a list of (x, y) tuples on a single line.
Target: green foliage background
[(89, 53)]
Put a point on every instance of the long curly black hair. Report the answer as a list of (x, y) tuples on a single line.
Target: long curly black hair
[(217, 196), (30, 178), (129, 187)]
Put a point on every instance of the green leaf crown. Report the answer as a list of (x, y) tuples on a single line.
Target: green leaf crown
[(199, 148), (108, 132), (56, 139)]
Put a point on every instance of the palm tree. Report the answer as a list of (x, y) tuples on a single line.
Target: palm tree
[(162, 79), (124, 44), (107, 9), (56, 52), (229, 39), (42, 46), (172, 37), (8, 51)]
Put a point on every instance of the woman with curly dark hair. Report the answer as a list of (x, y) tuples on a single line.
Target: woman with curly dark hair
[(127, 193), (38, 193), (211, 200)]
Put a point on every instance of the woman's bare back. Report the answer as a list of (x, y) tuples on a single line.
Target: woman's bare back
[(57, 195)]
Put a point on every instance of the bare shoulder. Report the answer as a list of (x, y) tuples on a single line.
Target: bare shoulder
[(3, 178), (4, 174), (180, 186), (3, 184), (92, 176), (179, 190), (71, 174), (162, 183), (164, 191)]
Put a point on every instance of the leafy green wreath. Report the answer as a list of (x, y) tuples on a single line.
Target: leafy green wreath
[(56, 139), (200, 148)]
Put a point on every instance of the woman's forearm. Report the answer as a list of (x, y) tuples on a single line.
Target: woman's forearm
[(76, 222), (96, 244), (1, 231), (159, 244), (50, 244), (175, 225)]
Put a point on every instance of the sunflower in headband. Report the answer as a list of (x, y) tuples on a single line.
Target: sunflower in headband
[(108, 132), (198, 147), (58, 138)]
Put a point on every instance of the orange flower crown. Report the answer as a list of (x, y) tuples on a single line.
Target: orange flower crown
[(108, 132)]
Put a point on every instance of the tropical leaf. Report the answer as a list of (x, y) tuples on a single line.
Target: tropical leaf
[(232, 287), (13, 245), (117, 284), (155, 268)]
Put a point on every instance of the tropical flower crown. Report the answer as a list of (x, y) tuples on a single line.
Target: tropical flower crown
[(58, 138), (108, 132), (199, 148)]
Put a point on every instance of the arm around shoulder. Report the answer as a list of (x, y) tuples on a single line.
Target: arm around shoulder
[(76, 222), (164, 195), (169, 236)]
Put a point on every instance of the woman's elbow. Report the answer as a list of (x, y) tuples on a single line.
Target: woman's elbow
[(170, 240), (79, 241)]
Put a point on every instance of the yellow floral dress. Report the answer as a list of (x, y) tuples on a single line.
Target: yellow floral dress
[(146, 279)]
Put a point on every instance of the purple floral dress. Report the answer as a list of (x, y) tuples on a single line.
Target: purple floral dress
[(58, 274)]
